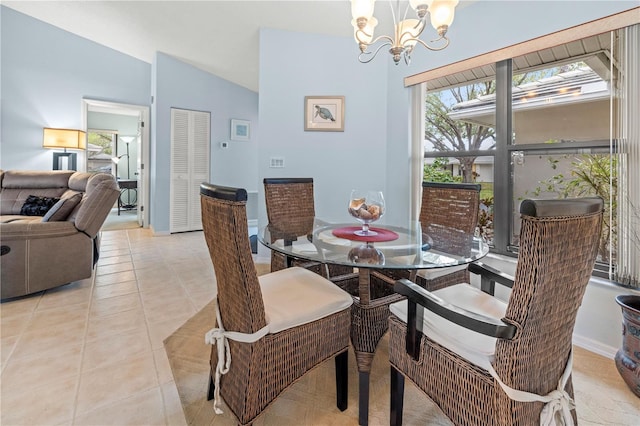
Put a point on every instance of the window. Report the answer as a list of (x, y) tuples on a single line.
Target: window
[(549, 124), (460, 138), (100, 150)]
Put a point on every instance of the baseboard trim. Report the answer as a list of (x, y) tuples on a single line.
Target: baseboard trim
[(595, 346)]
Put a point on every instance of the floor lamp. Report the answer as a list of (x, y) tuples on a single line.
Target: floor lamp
[(117, 159), (64, 138)]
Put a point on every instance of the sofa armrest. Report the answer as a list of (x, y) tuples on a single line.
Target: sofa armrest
[(29, 230), (100, 196)]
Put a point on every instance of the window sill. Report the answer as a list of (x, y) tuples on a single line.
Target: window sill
[(508, 265)]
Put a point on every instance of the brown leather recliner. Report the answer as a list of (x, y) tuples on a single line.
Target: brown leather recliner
[(40, 253)]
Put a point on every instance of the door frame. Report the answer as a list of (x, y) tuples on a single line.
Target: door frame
[(144, 114)]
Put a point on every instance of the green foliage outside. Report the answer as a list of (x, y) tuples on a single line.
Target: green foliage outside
[(102, 140), (590, 175), (438, 172), (486, 191)]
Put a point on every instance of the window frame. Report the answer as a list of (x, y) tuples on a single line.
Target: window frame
[(445, 76), (505, 146)]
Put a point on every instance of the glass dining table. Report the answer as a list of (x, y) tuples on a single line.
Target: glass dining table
[(377, 260)]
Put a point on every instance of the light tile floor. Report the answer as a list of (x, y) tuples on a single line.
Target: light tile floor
[(91, 352)]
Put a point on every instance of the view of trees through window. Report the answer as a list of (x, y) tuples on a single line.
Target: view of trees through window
[(559, 146), (100, 151)]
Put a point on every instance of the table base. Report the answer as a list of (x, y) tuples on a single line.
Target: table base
[(369, 322)]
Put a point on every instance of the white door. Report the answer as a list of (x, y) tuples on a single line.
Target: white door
[(190, 142), (140, 172)]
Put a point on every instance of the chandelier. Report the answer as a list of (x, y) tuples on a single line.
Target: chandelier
[(406, 31)]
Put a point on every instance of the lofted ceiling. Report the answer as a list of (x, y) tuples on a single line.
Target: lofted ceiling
[(220, 37)]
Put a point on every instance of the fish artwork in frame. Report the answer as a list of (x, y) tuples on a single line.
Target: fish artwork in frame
[(324, 113)]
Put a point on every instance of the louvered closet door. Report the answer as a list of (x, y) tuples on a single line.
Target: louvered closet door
[(190, 140), (199, 165)]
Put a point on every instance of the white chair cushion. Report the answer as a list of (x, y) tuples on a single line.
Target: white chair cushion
[(300, 246), (433, 273), (476, 348), (296, 296)]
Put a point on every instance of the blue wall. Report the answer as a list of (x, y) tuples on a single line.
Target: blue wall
[(179, 85), (125, 125), (293, 66), (46, 72)]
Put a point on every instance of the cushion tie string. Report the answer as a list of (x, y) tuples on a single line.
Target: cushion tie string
[(219, 337), (558, 402)]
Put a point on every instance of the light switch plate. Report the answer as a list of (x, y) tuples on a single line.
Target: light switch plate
[(276, 163)]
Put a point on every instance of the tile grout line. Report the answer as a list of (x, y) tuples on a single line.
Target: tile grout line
[(84, 339), (193, 306), (20, 335), (149, 340), (84, 343)]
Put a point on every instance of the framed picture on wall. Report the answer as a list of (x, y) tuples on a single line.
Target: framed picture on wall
[(324, 113), (240, 130)]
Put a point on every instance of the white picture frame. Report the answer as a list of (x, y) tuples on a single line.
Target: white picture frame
[(240, 130), (324, 113)]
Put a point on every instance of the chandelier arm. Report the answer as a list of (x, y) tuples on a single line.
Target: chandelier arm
[(411, 37), (421, 23), (406, 10), (382, 37), (393, 12), (374, 53), (372, 42), (424, 44)]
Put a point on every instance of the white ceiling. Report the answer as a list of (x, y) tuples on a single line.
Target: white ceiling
[(220, 37)]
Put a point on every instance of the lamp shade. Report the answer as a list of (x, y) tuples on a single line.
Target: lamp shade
[(442, 12), (366, 35), (362, 9), (409, 30), (64, 138)]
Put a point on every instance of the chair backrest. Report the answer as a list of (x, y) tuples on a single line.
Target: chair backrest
[(224, 221), (558, 247), (449, 213), (290, 201)]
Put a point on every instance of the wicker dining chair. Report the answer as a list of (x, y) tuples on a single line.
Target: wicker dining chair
[(448, 216), (270, 329), (291, 211), (472, 352)]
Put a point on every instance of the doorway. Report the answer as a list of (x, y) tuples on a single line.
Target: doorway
[(126, 128)]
